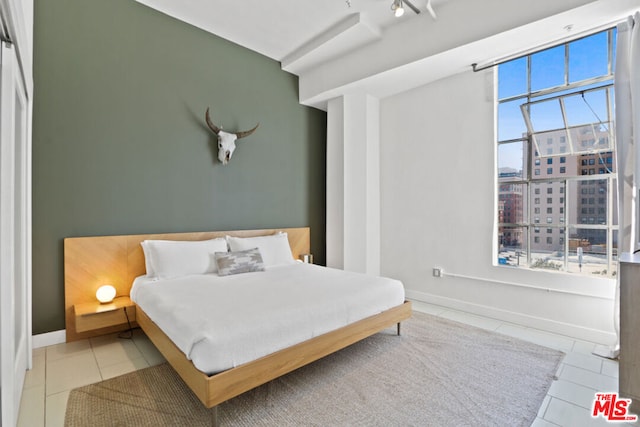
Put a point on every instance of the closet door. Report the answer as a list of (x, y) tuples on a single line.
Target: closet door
[(14, 235)]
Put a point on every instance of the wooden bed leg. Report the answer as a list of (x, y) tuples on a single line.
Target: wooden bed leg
[(215, 422), (398, 328)]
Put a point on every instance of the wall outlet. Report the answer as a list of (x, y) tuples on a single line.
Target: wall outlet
[(437, 272)]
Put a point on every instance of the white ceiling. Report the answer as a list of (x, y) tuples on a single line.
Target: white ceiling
[(297, 33), (337, 48)]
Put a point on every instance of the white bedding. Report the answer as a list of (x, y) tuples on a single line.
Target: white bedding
[(222, 322)]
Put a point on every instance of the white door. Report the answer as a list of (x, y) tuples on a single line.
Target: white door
[(15, 274)]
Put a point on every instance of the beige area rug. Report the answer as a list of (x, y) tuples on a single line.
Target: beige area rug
[(438, 373)]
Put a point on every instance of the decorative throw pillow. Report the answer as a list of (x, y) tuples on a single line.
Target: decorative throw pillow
[(239, 262), (274, 249)]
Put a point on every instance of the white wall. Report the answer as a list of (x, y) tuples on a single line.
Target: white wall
[(438, 208)]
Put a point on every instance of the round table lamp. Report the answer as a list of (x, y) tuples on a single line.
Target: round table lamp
[(106, 293)]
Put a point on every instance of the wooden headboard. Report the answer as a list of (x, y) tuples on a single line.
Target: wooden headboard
[(90, 262)]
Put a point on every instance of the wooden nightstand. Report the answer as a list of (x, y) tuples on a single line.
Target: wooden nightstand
[(93, 315)]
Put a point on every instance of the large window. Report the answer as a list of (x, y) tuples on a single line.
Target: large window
[(556, 159)]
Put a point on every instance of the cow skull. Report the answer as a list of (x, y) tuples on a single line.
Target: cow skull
[(226, 140)]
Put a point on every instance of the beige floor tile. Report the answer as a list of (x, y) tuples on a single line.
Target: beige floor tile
[(112, 350), (584, 361), (36, 375), (539, 422), (61, 351), (56, 407), (424, 307), (573, 393), (610, 368), (543, 406), (569, 415), (148, 350), (472, 319), (535, 336), (597, 382), (32, 407), (122, 368), (583, 347), (71, 372), (512, 330)]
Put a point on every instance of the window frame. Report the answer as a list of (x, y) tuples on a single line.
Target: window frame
[(532, 161)]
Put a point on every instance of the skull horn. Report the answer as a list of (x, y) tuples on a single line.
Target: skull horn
[(213, 127), (247, 132)]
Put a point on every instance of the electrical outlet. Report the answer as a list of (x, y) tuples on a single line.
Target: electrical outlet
[(437, 272)]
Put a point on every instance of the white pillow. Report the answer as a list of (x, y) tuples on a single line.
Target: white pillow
[(165, 259), (274, 249)]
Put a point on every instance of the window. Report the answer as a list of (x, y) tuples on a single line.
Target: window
[(559, 111)]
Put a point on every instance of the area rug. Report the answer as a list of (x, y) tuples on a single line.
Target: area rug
[(437, 373)]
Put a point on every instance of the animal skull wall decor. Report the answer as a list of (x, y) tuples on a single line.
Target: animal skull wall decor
[(226, 140)]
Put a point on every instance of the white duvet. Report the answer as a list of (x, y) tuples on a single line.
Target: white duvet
[(222, 322)]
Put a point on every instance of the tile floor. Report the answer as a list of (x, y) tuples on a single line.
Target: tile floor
[(60, 368)]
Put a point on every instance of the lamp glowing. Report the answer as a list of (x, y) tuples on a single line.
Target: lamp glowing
[(398, 8), (106, 293)]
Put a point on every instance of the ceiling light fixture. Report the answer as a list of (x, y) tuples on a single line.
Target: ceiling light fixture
[(398, 8)]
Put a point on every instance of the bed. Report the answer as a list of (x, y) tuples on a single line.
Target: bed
[(120, 260)]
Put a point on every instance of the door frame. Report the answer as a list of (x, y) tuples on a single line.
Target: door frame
[(15, 234)]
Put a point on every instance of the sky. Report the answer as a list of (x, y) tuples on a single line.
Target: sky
[(588, 57)]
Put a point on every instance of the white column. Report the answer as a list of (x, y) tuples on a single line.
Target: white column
[(353, 183), (335, 183)]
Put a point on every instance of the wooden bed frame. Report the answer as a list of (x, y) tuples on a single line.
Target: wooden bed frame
[(92, 261)]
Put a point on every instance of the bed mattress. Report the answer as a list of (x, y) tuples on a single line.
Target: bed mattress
[(221, 322)]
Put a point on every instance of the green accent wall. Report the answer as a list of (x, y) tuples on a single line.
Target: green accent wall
[(120, 145)]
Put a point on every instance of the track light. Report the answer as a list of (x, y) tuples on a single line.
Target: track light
[(397, 8)]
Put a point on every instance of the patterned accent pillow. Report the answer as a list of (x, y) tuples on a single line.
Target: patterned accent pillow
[(239, 262)]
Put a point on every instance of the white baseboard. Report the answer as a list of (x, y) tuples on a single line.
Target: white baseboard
[(566, 329), (49, 338)]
